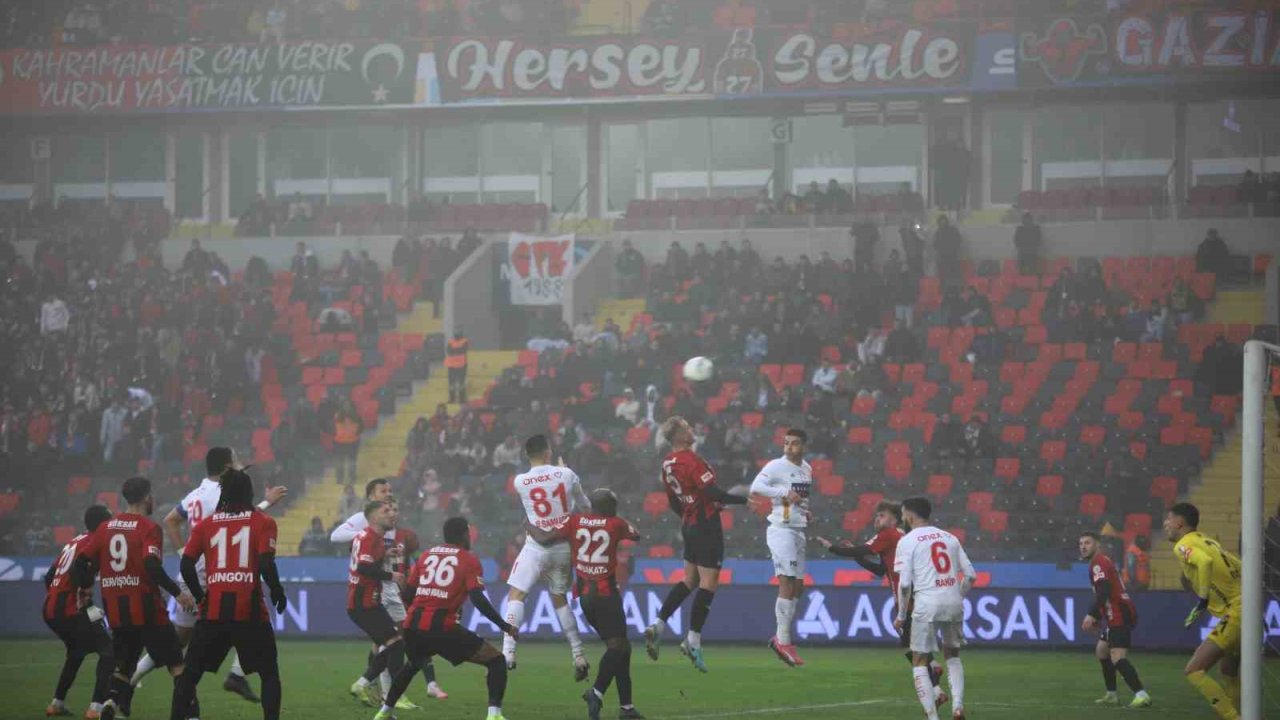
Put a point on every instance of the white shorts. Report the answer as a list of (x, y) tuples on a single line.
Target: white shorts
[(786, 546), (539, 562), (179, 617), (929, 637), (395, 610)]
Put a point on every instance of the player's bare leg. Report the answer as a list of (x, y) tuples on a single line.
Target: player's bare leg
[(515, 616), (789, 590), (569, 623), (1197, 673), (675, 597), (1119, 658)]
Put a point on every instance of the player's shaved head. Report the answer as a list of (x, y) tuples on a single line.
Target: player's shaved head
[(377, 489), (604, 502), (1189, 513), (135, 490), (217, 460), (457, 531), (537, 446), (94, 516)]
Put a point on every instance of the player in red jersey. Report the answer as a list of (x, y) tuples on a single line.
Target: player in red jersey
[(877, 556), (126, 551), (368, 573), (442, 579), (594, 539), (691, 489), (238, 545), (69, 613), (1113, 606)]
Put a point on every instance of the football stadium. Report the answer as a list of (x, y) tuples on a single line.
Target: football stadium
[(394, 359)]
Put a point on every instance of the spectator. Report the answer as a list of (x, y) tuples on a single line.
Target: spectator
[(663, 18), (950, 160), (870, 380), (54, 316), (196, 262), (814, 199), (507, 456), (871, 349), (419, 437), (630, 269), (824, 377), (865, 238), (1181, 301), (112, 428), (584, 330), (947, 245), (1028, 240), (912, 246), (764, 204), (1212, 255), (901, 346), (300, 209), (838, 199), (1157, 321), (977, 309), (903, 288), (756, 347), (1137, 564), (346, 442), (677, 262), (455, 362), (349, 504), (629, 409), (315, 542), (948, 438), (979, 443)]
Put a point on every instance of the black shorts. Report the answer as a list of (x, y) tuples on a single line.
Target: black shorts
[(457, 645), (255, 643), (160, 642), (81, 635), (704, 543), (604, 613), (376, 623), (1119, 637)]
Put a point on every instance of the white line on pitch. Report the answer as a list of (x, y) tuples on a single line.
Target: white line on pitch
[(776, 710)]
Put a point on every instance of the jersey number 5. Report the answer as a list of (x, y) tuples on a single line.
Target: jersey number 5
[(941, 560), (669, 479), (599, 539)]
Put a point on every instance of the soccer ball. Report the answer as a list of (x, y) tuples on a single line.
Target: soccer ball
[(698, 369)]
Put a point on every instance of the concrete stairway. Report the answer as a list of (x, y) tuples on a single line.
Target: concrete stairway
[(620, 310)]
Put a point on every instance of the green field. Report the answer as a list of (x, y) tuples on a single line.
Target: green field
[(743, 682)]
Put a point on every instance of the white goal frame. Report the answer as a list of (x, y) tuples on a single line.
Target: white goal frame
[(1252, 481)]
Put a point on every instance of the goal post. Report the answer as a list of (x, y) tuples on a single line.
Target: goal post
[(1253, 420)]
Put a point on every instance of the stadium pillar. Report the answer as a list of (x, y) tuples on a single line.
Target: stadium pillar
[(1253, 427), (594, 161), (1179, 174), (215, 168)]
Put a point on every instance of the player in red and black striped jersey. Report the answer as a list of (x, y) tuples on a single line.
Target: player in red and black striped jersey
[(70, 615), (442, 579), (238, 545), (877, 555), (595, 538), (126, 551), (691, 489), (368, 572), (1113, 606)]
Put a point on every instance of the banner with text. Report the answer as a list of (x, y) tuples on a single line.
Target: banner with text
[(182, 78), (746, 63), (825, 615), (539, 268), (1125, 48)]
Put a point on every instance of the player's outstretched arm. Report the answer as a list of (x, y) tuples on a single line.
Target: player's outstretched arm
[(173, 528), (482, 605), (155, 569), (765, 485), (861, 554), (717, 494), (187, 568), (271, 576), (346, 532)]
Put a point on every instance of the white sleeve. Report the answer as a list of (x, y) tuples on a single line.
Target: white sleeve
[(346, 532), (903, 565), (766, 485), (966, 567), (580, 499)]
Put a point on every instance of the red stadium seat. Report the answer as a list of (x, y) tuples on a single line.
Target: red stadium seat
[(939, 486), (1165, 488), (661, 551), (995, 521), (656, 503), (860, 436), (1049, 486), (1053, 451), (752, 420), (979, 502), (638, 437), (1093, 505), (1013, 434), (1092, 435), (1008, 468), (897, 468), (855, 521), (830, 486), (1137, 524)]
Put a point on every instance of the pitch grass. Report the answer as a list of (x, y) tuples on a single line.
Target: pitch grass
[(746, 682)]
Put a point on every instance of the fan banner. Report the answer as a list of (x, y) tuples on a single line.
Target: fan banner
[(540, 268)]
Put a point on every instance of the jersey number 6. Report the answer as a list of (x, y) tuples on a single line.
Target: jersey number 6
[(941, 560)]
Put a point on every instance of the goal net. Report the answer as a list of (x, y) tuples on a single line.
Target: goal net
[(1260, 533)]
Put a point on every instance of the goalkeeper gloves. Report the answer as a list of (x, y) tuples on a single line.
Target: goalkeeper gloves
[(1196, 612)]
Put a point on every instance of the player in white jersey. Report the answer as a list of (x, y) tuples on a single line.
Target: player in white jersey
[(785, 483), (934, 571), (379, 490), (549, 493), (193, 509)]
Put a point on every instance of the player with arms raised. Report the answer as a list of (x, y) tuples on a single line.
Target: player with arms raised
[(444, 577), (934, 574), (192, 510), (595, 537), (877, 556), (68, 612), (691, 489), (366, 581), (127, 552), (1213, 574), (238, 545), (785, 483), (1113, 606), (549, 494)]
